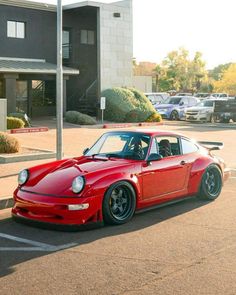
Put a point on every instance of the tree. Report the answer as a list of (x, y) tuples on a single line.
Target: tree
[(177, 71), (143, 68), (218, 71), (227, 83)]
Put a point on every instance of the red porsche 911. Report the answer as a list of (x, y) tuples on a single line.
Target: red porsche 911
[(122, 173)]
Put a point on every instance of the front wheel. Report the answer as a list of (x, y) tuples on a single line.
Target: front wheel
[(119, 203), (211, 183), (174, 115)]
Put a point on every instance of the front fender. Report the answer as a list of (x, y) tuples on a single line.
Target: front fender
[(101, 185)]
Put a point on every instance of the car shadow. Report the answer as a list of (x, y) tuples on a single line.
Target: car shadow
[(9, 259)]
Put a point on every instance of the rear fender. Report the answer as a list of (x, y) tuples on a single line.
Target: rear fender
[(196, 173)]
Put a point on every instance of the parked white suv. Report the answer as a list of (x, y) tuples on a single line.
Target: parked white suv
[(202, 112)]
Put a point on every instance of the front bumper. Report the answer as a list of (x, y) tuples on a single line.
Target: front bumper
[(55, 210), (164, 115), (196, 118)]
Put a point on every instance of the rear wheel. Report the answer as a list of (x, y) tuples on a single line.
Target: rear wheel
[(211, 183), (119, 203), (174, 115)]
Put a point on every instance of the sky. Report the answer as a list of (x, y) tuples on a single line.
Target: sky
[(160, 26)]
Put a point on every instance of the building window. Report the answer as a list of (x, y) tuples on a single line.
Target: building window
[(87, 37), (15, 29), (66, 46)]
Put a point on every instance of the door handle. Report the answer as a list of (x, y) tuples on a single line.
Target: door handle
[(182, 163)]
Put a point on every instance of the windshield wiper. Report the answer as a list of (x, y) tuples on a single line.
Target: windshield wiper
[(113, 156)]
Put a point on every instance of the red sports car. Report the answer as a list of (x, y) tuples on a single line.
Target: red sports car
[(123, 172)]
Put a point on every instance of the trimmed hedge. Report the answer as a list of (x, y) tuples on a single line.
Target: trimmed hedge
[(14, 123), (127, 105), (22, 117), (79, 118), (8, 143)]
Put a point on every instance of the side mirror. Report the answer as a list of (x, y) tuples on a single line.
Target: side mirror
[(153, 157), (85, 151), (181, 103)]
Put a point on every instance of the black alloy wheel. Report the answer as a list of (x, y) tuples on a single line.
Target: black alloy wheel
[(211, 183), (119, 203), (174, 116)]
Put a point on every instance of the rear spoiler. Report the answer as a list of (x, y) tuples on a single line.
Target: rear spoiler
[(212, 145)]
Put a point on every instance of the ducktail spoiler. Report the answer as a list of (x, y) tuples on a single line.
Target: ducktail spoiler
[(212, 145)]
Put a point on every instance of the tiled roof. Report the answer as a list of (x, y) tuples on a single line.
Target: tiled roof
[(32, 67)]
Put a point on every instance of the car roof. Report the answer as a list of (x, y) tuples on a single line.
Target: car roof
[(151, 132)]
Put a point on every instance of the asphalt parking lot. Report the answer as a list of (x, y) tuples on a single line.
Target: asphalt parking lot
[(185, 248)]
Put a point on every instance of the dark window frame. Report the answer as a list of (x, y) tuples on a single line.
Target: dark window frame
[(16, 22), (87, 31), (69, 46)]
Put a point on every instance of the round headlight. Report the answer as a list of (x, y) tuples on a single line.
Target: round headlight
[(78, 184), (23, 176)]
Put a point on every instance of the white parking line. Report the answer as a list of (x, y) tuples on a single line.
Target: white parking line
[(38, 245)]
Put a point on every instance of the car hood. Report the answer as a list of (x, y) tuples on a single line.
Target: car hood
[(57, 177), (197, 109), (164, 106)]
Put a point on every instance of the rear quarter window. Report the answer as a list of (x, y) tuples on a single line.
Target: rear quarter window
[(188, 147)]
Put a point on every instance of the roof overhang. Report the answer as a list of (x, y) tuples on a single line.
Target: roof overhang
[(29, 4), (53, 8), (31, 66)]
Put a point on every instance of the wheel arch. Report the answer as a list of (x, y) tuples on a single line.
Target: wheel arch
[(197, 171), (101, 186)]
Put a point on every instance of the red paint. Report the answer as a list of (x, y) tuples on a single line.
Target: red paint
[(29, 130), (48, 191), (120, 125), (150, 123)]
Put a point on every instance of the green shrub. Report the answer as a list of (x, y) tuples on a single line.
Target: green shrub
[(155, 117), (136, 116), (21, 116), (118, 103), (121, 103), (13, 123), (79, 118), (8, 143)]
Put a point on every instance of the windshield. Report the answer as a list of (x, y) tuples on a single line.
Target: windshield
[(126, 145), (173, 100), (205, 103)]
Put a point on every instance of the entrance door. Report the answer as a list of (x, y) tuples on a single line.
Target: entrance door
[(22, 96)]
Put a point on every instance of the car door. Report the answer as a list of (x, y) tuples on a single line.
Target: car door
[(168, 177)]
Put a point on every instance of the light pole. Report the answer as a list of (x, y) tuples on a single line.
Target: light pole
[(59, 82)]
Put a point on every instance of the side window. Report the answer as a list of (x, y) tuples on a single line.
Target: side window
[(154, 147), (168, 146), (188, 146)]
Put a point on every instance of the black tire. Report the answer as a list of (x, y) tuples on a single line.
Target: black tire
[(211, 183), (174, 116), (119, 203)]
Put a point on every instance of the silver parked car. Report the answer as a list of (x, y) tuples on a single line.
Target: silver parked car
[(202, 112)]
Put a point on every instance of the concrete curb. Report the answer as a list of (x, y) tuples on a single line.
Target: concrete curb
[(41, 155), (6, 202), (124, 125)]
